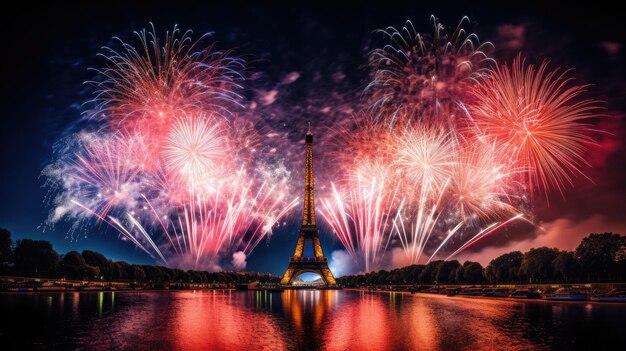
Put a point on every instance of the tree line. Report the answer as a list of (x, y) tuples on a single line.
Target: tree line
[(37, 258), (598, 257)]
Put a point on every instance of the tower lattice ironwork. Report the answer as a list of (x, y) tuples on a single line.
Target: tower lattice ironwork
[(298, 263)]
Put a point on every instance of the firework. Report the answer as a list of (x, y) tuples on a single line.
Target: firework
[(418, 76), (459, 143), (361, 213), (170, 166), (103, 171), (419, 187), (481, 184), (537, 118), (163, 79), (471, 189), (232, 217), (148, 88), (195, 148), (415, 224), (427, 155)]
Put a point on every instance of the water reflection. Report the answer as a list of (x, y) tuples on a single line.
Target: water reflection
[(305, 319), (361, 322), (307, 313), (100, 303), (222, 320)]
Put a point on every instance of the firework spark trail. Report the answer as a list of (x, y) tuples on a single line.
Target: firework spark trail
[(259, 233), (484, 233), (361, 216), (106, 175), (177, 249), (445, 241), (422, 222), (115, 224), (335, 214)]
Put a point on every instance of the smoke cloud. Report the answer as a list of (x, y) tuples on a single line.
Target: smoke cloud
[(239, 260), (562, 233), (341, 263)]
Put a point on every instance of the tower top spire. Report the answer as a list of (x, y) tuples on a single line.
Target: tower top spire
[(308, 215)]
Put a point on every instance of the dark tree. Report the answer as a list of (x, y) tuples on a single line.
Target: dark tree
[(459, 275), (97, 259), (183, 276), (565, 266), (154, 274), (505, 268), (472, 272), (139, 275), (414, 273), (35, 258), (205, 277), (537, 264), (428, 274), (116, 271), (126, 269), (444, 269), (396, 277), (620, 268), (381, 277), (599, 253), (92, 272), (6, 255), (73, 265)]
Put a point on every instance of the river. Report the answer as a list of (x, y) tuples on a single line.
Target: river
[(305, 319)]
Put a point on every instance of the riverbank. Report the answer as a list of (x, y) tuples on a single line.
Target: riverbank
[(597, 292), (30, 284), (14, 284)]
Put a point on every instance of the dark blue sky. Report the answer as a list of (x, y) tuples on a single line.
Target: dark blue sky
[(47, 52)]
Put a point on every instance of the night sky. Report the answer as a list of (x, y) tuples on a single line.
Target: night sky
[(47, 52)]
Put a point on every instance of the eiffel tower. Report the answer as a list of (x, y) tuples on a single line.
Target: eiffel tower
[(298, 263)]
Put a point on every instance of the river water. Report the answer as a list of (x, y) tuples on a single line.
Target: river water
[(297, 320)]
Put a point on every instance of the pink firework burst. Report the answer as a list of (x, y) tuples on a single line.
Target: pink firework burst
[(195, 148), (417, 76), (146, 88), (538, 118)]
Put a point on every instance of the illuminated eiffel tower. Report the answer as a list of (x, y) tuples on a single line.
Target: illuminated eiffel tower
[(298, 263)]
